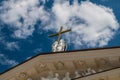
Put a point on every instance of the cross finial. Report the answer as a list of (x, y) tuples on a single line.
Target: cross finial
[(59, 33), (59, 44)]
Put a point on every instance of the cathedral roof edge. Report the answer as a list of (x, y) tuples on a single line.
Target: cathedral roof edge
[(50, 53)]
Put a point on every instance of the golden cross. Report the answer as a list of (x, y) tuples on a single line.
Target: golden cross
[(59, 33)]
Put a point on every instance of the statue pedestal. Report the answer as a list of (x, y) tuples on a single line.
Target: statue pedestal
[(59, 46)]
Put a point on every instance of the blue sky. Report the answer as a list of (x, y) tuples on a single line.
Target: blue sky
[(26, 24)]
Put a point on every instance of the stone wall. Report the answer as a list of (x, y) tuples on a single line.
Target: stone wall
[(107, 75), (83, 62)]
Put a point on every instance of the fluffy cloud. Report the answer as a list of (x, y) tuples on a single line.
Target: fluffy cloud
[(9, 45), (5, 61), (12, 46), (28, 57), (22, 16), (38, 50), (92, 25)]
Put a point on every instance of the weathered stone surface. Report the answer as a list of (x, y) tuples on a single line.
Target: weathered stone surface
[(81, 61)]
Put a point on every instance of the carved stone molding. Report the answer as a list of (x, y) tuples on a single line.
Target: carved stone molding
[(41, 67), (22, 76), (102, 62), (80, 64), (59, 65)]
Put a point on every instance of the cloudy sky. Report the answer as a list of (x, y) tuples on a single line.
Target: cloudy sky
[(26, 24)]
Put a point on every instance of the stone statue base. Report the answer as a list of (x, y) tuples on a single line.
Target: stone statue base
[(59, 46)]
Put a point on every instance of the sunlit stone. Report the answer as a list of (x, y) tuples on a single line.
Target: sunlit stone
[(56, 76), (77, 74), (67, 76), (29, 79)]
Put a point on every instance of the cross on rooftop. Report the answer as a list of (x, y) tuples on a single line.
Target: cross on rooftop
[(59, 33)]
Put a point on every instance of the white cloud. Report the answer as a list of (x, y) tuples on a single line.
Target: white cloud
[(5, 61), (9, 45), (92, 25), (12, 46), (38, 50), (13, 11), (28, 57)]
